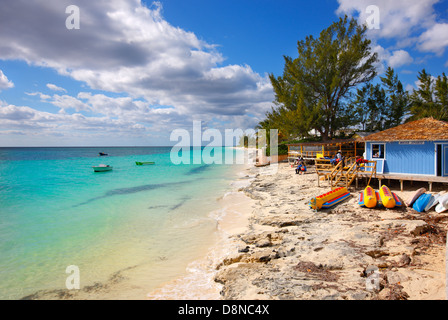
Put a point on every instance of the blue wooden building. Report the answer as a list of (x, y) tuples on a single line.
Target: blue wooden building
[(416, 150)]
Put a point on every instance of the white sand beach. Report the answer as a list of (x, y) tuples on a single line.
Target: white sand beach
[(288, 251)]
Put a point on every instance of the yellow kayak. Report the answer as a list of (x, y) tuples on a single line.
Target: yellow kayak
[(369, 197), (387, 199)]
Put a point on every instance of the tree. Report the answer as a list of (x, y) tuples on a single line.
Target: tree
[(430, 99), (311, 93), (441, 94), (370, 107), (381, 106), (397, 103)]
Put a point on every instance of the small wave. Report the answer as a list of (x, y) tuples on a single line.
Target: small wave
[(198, 283)]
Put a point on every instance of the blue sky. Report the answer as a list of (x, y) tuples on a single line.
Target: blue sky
[(137, 70)]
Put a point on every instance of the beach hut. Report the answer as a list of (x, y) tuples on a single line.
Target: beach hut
[(414, 151), (316, 150)]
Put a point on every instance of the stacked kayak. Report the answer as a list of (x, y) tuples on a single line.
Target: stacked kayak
[(442, 206), (415, 196), (421, 201)]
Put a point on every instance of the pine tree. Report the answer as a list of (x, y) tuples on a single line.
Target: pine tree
[(397, 100), (370, 107), (430, 98), (441, 94), (312, 92)]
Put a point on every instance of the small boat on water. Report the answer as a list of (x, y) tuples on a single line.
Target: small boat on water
[(103, 154), (102, 168), (139, 163)]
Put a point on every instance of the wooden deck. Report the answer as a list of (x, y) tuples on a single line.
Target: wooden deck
[(406, 177)]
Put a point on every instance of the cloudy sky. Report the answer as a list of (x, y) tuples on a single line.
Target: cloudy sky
[(136, 70)]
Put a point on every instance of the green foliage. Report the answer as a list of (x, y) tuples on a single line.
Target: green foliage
[(397, 103), (311, 93), (431, 97), (282, 150), (381, 106), (315, 91), (246, 141)]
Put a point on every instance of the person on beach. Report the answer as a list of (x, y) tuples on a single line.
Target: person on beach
[(337, 158), (301, 168)]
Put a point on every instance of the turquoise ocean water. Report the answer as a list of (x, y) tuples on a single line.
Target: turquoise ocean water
[(56, 212)]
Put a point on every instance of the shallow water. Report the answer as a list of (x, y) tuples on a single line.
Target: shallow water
[(56, 212)]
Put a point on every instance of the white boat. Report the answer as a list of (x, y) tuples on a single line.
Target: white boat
[(102, 168)]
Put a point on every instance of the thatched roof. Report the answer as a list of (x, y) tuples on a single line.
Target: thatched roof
[(361, 136), (324, 143), (427, 129)]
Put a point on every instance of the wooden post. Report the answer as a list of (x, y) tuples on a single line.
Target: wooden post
[(401, 185), (446, 268), (430, 186), (379, 180)]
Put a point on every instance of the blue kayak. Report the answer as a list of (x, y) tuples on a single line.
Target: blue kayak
[(421, 203)]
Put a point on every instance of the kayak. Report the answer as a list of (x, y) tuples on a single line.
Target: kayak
[(367, 198), (432, 202), (416, 195), (443, 204), (387, 199), (329, 199), (336, 200), (421, 203), (143, 163)]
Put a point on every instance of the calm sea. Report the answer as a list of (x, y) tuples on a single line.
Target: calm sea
[(56, 212)]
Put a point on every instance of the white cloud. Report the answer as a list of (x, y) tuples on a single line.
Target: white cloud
[(435, 39), (55, 87), (411, 23), (398, 18), (66, 102), (394, 59), (4, 82), (400, 58), (42, 96), (26, 120), (125, 47)]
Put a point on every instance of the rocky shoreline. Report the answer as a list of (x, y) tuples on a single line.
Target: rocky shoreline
[(288, 251)]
